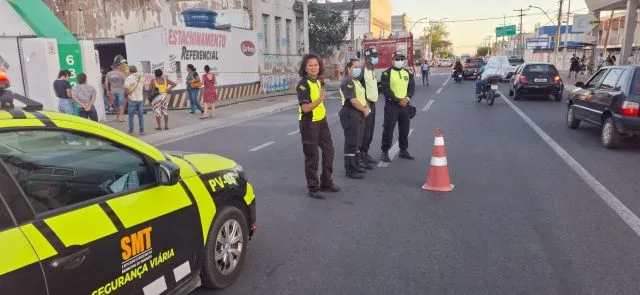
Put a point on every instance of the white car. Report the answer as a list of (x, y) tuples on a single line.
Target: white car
[(446, 63), (499, 66)]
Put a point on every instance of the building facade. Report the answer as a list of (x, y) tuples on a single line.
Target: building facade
[(372, 17), (400, 22)]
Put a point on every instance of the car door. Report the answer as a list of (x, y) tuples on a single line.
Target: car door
[(112, 226), (20, 270), (605, 93), (582, 98)]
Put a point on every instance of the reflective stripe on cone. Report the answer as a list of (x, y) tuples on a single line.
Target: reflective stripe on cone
[(438, 178)]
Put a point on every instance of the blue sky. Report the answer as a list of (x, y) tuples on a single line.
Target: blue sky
[(466, 36)]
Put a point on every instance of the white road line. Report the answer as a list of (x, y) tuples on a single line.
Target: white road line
[(439, 90), (446, 81), (625, 214), (264, 145), (335, 115), (393, 152), (428, 105), (294, 132)]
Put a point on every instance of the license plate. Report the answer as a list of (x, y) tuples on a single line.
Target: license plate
[(494, 87), (540, 80)]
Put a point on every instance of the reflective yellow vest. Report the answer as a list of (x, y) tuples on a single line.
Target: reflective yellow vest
[(360, 93), (399, 82), (320, 112)]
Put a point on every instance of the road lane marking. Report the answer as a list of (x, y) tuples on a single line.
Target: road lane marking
[(393, 152), (625, 214), (439, 90), (294, 132), (264, 145), (427, 106), (334, 115), (446, 81)]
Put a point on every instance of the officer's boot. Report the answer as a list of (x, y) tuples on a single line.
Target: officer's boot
[(368, 158), (362, 161), (350, 165), (358, 165), (384, 157)]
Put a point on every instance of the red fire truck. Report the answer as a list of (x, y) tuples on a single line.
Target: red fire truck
[(402, 41)]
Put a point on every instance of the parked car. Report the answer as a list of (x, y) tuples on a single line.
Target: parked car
[(610, 99), (536, 79), (471, 67)]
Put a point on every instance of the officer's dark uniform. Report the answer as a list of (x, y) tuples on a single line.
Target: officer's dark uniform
[(315, 133), (369, 82), (352, 121), (397, 83)]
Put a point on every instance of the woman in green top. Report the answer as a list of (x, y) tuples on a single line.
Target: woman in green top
[(354, 110)]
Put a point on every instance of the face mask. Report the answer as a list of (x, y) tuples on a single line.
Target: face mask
[(357, 72), (398, 63), (374, 60)]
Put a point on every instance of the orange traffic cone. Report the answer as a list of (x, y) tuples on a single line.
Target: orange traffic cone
[(438, 178)]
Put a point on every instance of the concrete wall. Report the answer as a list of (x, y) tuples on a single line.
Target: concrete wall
[(9, 16)]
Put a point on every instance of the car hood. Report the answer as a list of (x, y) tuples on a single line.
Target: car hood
[(205, 163)]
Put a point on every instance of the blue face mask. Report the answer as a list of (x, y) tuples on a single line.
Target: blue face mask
[(357, 72), (374, 60)]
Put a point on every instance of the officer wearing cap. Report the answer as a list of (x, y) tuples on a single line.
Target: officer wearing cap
[(369, 80), (398, 87)]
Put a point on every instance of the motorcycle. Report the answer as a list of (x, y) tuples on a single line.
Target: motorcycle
[(489, 91), (457, 76)]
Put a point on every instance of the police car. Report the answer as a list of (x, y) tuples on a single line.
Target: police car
[(87, 209)]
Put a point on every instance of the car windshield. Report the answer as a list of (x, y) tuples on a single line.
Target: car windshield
[(516, 61), (540, 69), (635, 89)]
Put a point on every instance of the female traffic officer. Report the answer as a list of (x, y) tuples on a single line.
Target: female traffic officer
[(354, 109), (314, 128)]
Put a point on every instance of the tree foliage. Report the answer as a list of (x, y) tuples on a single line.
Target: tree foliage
[(482, 51), (438, 33), (327, 30)]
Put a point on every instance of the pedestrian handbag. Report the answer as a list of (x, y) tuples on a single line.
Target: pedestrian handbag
[(412, 111), (196, 82)]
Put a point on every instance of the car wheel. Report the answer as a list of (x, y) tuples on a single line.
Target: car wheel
[(516, 95), (510, 91), (558, 96), (572, 122), (225, 249), (610, 137)]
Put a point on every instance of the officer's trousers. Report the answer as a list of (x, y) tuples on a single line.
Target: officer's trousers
[(369, 124), (314, 135), (395, 113), (352, 122)]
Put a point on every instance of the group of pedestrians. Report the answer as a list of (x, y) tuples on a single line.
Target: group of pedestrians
[(359, 95), (124, 86)]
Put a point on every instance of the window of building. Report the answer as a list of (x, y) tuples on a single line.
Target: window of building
[(288, 36), (265, 31), (57, 169), (278, 35)]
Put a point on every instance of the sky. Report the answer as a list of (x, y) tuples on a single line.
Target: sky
[(467, 36)]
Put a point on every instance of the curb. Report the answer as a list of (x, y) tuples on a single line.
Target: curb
[(192, 130)]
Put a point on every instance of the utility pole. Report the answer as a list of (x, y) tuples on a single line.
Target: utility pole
[(521, 46), (352, 17), (566, 34), (555, 51)]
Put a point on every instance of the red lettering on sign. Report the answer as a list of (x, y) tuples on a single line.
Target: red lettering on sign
[(194, 38), (248, 48)]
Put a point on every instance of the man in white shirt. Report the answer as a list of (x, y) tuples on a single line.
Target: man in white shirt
[(134, 85)]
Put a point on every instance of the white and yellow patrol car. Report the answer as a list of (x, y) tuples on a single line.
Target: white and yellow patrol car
[(87, 209)]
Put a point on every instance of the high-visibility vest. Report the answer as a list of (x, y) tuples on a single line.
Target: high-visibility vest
[(320, 112), (360, 93), (399, 82)]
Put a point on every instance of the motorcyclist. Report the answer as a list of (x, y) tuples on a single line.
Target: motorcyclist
[(484, 77), (457, 68)]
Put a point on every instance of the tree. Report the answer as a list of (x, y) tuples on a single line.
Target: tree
[(437, 36), (327, 30), (482, 51)]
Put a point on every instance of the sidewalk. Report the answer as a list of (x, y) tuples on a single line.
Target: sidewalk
[(227, 113), (569, 83)]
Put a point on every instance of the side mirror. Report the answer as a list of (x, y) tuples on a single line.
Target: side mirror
[(168, 173), (579, 84)]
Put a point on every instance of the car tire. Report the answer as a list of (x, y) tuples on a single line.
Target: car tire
[(516, 95), (572, 122), (609, 136), (558, 96), (510, 91), (225, 221)]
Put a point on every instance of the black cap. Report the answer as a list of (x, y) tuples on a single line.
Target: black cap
[(371, 52), (399, 54)]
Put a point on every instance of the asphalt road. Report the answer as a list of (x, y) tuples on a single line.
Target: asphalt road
[(521, 220)]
